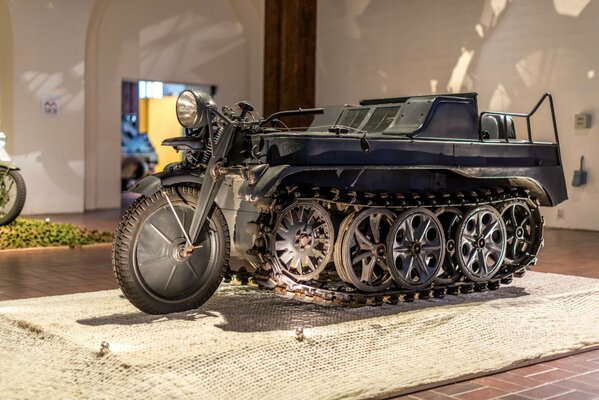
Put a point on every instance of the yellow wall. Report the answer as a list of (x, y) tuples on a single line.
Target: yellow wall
[(143, 116), (162, 124)]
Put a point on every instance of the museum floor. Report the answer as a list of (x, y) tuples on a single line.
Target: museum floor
[(37, 273)]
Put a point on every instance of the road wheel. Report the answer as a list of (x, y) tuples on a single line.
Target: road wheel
[(416, 248), (362, 249), (481, 243)]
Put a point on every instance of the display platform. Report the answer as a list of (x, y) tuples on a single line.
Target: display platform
[(245, 343)]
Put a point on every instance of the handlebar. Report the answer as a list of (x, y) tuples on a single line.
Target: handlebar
[(299, 111)]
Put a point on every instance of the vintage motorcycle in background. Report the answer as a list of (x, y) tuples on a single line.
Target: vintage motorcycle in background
[(398, 199), (138, 156), (12, 186)]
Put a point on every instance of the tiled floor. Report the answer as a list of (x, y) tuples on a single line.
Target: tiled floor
[(570, 378), (570, 252), (51, 272)]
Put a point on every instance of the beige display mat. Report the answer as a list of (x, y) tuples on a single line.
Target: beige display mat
[(242, 343)]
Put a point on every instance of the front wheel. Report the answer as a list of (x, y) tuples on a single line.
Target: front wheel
[(12, 195), (149, 259)]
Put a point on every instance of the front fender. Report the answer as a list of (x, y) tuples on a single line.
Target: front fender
[(153, 183), (9, 165)]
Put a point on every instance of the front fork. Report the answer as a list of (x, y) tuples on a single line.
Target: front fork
[(213, 179)]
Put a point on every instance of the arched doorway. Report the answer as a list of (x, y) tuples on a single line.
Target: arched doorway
[(194, 41)]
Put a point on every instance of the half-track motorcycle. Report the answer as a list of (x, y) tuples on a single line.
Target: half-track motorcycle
[(390, 200)]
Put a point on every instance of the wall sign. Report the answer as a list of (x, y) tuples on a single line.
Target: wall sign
[(50, 106)]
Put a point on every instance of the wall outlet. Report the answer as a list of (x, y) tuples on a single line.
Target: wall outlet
[(561, 213), (582, 121)]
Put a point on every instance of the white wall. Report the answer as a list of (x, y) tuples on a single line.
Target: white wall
[(510, 52), (80, 51), (190, 41), (48, 52), (6, 90)]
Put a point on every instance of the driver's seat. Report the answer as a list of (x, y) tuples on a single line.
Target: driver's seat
[(497, 126)]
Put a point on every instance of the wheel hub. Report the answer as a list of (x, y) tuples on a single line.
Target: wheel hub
[(481, 243), (520, 233), (180, 252), (450, 245), (379, 250), (416, 248), (303, 240)]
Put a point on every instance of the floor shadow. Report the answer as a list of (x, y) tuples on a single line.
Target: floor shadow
[(250, 310)]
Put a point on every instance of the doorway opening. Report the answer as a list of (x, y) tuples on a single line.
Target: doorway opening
[(147, 118)]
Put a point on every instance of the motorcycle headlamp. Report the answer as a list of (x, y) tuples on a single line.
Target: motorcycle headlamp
[(192, 107)]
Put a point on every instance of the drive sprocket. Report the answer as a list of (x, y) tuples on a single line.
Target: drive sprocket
[(303, 240)]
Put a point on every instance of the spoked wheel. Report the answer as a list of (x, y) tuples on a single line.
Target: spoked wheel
[(416, 248), (481, 241), (524, 232), (362, 249), (150, 261), (303, 242), (450, 270), (12, 195)]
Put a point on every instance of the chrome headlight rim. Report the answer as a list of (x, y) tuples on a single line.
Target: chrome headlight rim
[(187, 109), (191, 108)]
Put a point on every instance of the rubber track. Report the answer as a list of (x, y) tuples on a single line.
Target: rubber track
[(324, 292)]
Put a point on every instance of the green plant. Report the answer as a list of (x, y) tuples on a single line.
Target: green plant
[(39, 233)]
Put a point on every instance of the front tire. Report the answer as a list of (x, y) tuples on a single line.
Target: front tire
[(151, 270), (12, 195)]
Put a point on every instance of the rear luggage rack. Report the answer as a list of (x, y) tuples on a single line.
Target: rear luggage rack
[(527, 116)]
